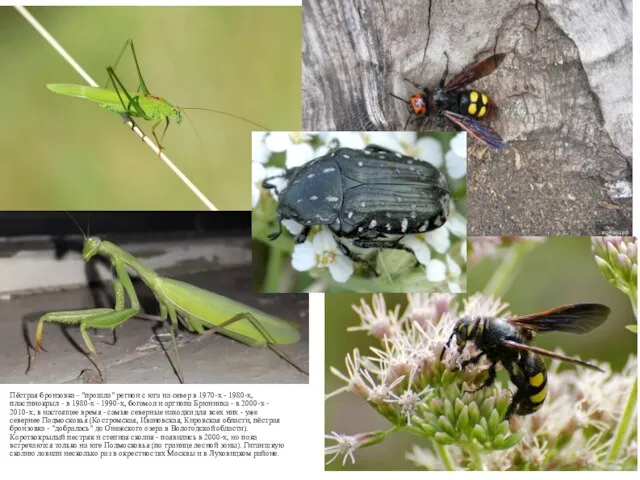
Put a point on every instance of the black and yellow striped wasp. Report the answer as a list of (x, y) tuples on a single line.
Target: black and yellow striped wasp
[(506, 340), (464, 108)]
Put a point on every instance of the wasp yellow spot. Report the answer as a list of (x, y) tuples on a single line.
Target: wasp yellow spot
[(485, 100), (536, 380), (473, 108), (482, 111), (540, 396), (469, 329), (473, 96)]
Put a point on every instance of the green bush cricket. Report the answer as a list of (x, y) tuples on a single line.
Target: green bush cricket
[(198, 310), (140, 104)]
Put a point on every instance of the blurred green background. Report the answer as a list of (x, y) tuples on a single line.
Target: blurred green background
[(558, 272), (64, 153)]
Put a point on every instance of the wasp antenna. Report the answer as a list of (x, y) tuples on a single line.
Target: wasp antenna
[(77, 224), (446, 345), (229, 115), (399, 98)]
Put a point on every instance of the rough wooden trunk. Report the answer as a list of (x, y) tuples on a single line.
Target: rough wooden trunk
[(564, 93)]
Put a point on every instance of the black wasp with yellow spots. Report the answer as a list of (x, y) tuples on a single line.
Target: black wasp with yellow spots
[(464, 108), (506, 340)]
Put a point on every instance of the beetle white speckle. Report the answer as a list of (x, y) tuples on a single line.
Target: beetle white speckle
[(405, 224), (328, 170), (410, 162), (311, 175), (332, 199), (350, 215), (424, 226), (360, 164), (345, 155), (360, 229), (363, 204), (313, 197), (388, 225), (398, 155), (387, 214), (373, 224), (438, 221), (413, 215), (299, 200)]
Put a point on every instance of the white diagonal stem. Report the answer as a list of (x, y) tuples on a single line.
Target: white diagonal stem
[(58, 48)]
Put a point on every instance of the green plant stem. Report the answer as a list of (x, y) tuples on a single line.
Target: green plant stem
[(634, 303), (506, 271), (274, 267), (444, 456), (477, 463), (624, 424)]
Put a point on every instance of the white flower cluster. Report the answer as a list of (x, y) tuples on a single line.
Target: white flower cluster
[(321, 250)]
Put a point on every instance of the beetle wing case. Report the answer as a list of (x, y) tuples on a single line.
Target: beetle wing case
[(390, 193)]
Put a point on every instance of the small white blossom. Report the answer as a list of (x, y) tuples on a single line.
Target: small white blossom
[(459, 144), (436, 270), (456, 158), (322, 252), (430, 150), (259, 151), (282, 141)]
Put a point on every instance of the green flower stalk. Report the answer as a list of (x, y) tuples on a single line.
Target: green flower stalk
[(617, 258), (498, 247), (405, 382)]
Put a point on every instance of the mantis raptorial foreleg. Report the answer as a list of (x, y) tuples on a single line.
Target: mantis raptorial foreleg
[(198, 310)]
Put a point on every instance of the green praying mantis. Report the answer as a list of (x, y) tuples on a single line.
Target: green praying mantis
[(140, 104), (198, 310)]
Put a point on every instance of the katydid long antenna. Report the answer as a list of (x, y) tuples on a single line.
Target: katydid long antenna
[(128, 121)]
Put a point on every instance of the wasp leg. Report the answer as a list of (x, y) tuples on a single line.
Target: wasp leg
[(302, 236), (519, 396), (489, 380), (471, 361), (446, 71)]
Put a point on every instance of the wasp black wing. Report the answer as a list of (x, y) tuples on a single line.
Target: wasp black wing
[(548, 353), (475, 72), (482, 132), (576, 318)]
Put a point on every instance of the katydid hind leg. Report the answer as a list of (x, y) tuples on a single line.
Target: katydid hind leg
[(142, 86), (131, 103), (115, 64)]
